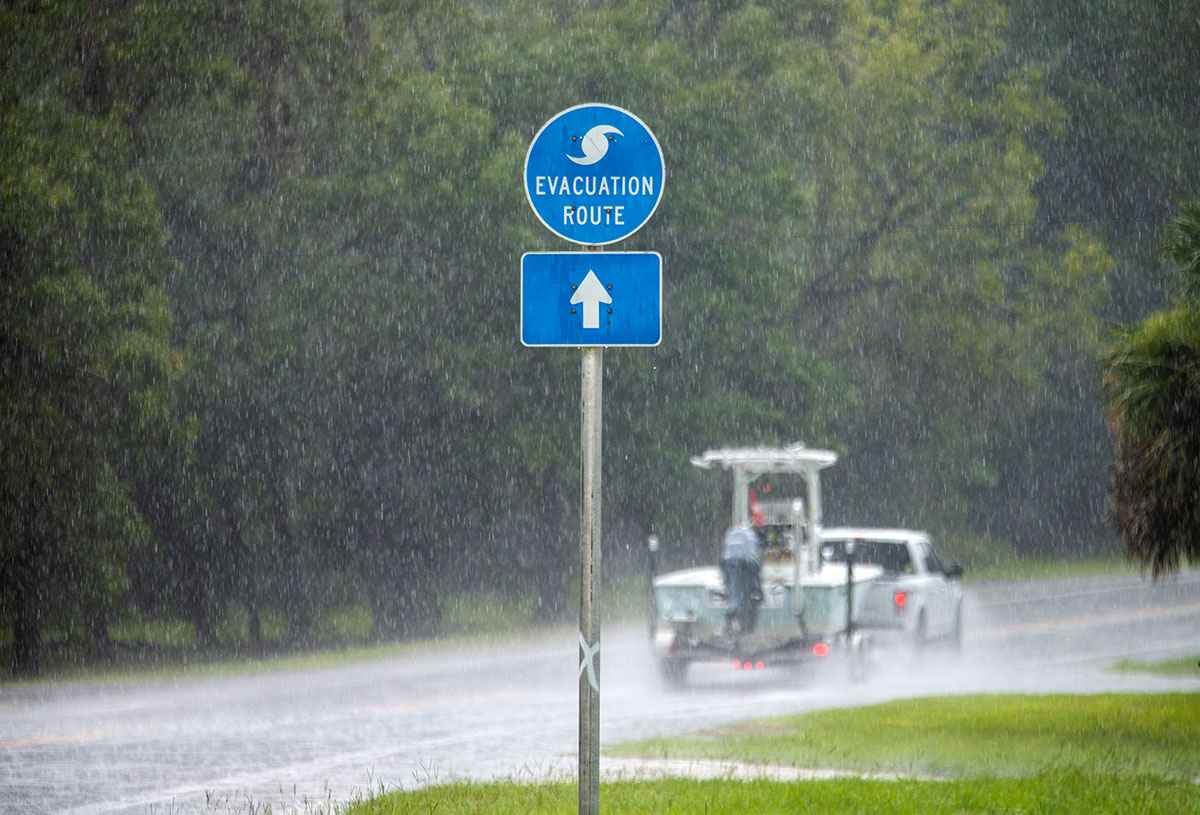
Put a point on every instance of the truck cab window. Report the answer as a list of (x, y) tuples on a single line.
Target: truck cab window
[(932, 562), (892, 557)]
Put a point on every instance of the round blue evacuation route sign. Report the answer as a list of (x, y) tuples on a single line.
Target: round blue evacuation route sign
[(594, 174)]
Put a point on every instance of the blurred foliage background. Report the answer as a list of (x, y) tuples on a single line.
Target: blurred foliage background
[(259, 275)]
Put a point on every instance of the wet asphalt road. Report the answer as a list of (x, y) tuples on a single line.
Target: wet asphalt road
[(304, 740)]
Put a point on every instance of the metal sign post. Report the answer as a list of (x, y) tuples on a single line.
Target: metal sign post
[(593, 175), (591, 410)]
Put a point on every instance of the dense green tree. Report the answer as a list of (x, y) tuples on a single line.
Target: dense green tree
[(1126, 144), (847, 246), (87, 366), (920, 284), (1152, 381), (857, 245), (319, 234), (1124, 74), (84, 225), (222, 167)]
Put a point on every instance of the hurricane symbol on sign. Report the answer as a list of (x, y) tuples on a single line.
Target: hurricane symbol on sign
[(595, 144)]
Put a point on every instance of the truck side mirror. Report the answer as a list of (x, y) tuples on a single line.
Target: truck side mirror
[(955, 571)]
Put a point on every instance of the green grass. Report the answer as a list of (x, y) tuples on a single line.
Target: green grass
[(1002, 735), (165, 632), (990, 559), (1031, 569), (1187, 666), (1055, 793), (487, 613), (167, 647), (127, 663), (993, 755)]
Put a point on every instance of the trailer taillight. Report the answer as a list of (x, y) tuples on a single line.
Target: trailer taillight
[(748, 666), (820, 649)]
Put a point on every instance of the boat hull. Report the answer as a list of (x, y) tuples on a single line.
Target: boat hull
[(691, 611)]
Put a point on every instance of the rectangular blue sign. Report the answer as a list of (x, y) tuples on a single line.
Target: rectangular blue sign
[(591, 298)]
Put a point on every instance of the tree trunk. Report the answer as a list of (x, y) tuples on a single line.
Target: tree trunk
[(297, 604), (27, 611), (98, 639), (198, 611), (385, 623), (405, 610), (254, 622)]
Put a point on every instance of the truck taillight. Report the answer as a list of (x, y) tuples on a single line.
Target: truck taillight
[(901, 600)]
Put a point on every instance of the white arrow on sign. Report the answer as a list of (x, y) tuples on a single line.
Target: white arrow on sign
[(591, 293)]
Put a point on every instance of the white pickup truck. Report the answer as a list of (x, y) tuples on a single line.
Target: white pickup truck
[(916, 599)]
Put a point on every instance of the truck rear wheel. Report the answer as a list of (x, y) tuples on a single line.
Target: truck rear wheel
[(859, 659), (957, 632), (920, 636), (673, 671)]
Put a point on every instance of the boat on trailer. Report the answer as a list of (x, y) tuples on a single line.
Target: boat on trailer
[(772, 598)]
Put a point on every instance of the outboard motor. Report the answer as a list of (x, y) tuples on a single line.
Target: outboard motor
[(741, 568)]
